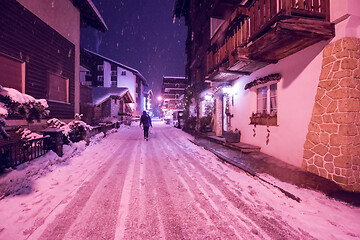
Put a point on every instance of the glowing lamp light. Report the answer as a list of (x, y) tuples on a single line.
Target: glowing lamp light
[(208, 97), (229, 90), (159, 98)]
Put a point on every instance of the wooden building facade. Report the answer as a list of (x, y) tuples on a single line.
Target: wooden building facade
[(39, 57)]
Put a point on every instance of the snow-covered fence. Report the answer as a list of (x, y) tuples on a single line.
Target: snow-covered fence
[(14, 154), (104, 128)]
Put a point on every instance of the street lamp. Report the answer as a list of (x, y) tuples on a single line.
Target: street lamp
[(159, 98)]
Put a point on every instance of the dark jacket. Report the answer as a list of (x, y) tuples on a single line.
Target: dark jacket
[(145, 120)]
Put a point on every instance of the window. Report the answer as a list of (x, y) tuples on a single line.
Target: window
[(100, 67), (58, 88), (273, 100), (12, 73), (100, 80), (261, 100), (264, 115), (123, 73), (114, 73), (114, 83)]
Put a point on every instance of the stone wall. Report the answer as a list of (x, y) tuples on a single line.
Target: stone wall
[(332, 146), (218, 115)]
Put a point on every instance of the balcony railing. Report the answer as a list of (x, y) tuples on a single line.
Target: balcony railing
[(244, 27)]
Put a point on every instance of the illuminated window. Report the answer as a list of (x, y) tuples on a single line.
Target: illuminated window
[(273, 99), (263, 101)]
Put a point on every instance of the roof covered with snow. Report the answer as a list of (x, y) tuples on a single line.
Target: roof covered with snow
[(101, 94), (136, 72)]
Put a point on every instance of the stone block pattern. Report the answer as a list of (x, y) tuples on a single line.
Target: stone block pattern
[(218, 117), (332, 146)]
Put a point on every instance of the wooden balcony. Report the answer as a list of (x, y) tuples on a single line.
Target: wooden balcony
[(268, 31)]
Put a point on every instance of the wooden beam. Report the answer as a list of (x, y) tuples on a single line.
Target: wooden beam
[(234, 72)]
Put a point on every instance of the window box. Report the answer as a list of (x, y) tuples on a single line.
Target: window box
[(263, 119)]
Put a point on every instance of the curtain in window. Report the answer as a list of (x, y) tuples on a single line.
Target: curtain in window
[(261, 99), (273, 102)]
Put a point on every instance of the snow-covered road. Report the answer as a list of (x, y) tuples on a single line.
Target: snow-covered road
[(167, 188)]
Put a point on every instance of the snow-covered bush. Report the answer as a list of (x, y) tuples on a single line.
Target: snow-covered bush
[(26, 134), (74, 131), (15, 102)]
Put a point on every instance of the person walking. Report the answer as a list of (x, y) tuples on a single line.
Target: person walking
[(145, 120)]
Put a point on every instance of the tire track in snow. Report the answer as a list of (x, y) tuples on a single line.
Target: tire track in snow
[(63, 221), (229, 227), (130, 220), (98, 218), (274, 228), (126, 200), (170, 219)]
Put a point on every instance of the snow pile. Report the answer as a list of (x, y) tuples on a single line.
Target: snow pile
[(19, 180), (110, 120), (56, 123), (26, 134), (14, 101), (73, 130)]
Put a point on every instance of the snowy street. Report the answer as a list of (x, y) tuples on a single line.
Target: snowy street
[(123, 187)]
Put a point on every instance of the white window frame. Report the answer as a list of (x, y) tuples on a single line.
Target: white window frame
[(100, 78), (113, 73), (273, 99), (100, 67), (268, 109), (262, 109), (123, 73)]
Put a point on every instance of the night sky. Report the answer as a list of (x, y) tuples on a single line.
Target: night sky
[(141, 35)]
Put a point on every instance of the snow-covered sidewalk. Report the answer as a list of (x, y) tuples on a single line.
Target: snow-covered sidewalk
[(122, 187)]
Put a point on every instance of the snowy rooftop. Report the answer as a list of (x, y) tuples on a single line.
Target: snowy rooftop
[(136, 72), (101, 94), (166, 77)]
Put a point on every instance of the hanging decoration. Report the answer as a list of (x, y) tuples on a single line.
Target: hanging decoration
[(262, 80)]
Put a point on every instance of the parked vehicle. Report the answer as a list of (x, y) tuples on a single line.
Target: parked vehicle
[(178, 120)]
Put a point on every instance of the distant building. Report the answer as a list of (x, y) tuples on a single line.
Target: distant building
[(148, 97), (173, 89), (112, 103), (100, 71), (40, 49)]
